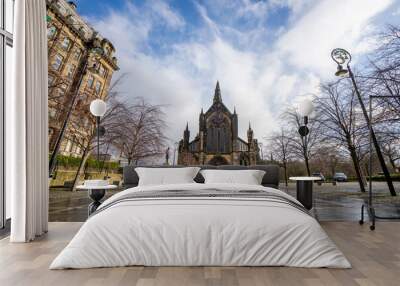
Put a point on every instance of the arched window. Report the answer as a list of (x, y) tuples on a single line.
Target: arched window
[(219, 135)]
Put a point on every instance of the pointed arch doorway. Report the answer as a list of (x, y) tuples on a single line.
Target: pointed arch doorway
[(218, 160)]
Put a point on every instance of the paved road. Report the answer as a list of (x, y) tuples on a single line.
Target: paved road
[(332, 203)]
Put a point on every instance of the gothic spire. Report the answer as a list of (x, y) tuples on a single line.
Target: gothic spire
[(234, 110), (217, 93), (186, 137), (250, 133)]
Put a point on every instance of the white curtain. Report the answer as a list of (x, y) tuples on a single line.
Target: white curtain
[(26, 124)]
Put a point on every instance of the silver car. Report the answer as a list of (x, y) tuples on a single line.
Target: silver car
[(319, 174), (340, 177)]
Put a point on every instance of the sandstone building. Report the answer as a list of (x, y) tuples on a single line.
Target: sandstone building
[(217, 142), (81, 62)]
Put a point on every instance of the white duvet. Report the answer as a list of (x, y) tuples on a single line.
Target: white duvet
[(193, 231)]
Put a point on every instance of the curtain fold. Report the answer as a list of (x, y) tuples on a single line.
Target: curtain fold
[(27, 124)]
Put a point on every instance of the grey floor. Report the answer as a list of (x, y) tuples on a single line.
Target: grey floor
[(332, 203)]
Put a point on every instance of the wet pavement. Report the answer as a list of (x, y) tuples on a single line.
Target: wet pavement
[(331, 203), (343, 202)]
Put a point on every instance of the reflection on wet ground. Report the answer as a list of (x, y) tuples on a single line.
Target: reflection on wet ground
[(343, 202), (331, 203)]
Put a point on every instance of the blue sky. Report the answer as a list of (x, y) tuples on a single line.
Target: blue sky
[(267, 55), (161, 39)]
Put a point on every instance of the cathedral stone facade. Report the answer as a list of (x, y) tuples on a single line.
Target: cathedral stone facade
[(217, 142)]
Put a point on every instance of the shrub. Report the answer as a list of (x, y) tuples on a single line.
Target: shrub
[(72, 162), (381, 178), (68, 161)]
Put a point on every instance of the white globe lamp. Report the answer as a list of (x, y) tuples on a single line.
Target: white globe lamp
[(306, 107), (98, 107)]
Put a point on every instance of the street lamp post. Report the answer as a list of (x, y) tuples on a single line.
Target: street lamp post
[(306, 107), (98, 108), (342, 57)]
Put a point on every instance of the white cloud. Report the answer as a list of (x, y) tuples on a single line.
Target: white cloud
[(170, 17), (329, 24), (396, 12), (250, 8), (260, 74)]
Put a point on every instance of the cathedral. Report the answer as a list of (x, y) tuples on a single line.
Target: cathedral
[(217, 142)]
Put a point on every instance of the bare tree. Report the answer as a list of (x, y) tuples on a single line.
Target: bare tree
[(338, 115), (117, 114), (142, 134), (328, 157), (134, 130), (383, 82), (391, 149), (280, 147), (82, 127)]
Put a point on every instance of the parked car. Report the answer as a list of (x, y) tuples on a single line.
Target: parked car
[(340, 177), (319, 174)]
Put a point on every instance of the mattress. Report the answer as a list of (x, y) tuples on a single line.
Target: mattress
[(201, 225)]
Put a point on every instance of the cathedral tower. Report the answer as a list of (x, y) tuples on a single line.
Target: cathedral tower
[(218, 141)]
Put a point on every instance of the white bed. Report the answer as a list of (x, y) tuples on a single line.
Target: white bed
[(202, 231)]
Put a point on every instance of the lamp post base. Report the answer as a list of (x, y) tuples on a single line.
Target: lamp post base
[(96, 195), (305, 193)]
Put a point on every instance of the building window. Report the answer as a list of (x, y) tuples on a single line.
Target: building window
[(52, 112), (61, 90), (66, 43), (86, 122), (68, 146), (102, 71), (58, 59), (98, 87), (70, 71), (108, 51), (77, 54), (50, 80), (84, 96), (90, 81), (61, 8), (51, 32), (73, 149)]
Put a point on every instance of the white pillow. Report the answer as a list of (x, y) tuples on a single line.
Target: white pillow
[(248, 177), (166, 176)]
